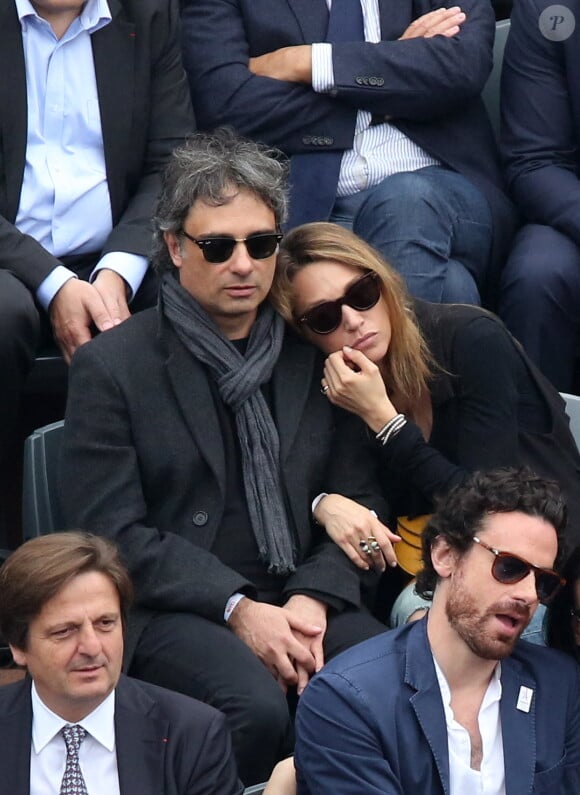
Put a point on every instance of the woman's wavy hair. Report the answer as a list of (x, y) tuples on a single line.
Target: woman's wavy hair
[(408, 360)]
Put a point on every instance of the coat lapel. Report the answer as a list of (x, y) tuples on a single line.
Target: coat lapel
[(16, 733), (420, 675), (141, 742), (190, 384), (13, 119), (394, 18), (114, 57), (518, 729), (312, 18), (291, 384)]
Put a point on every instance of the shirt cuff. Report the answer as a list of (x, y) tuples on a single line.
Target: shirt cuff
[(231, 605), (50, 286), (322, 69), (131, 267)]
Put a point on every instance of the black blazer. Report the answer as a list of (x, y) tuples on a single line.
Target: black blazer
[(145, 112), (166, 743), (143, 463)]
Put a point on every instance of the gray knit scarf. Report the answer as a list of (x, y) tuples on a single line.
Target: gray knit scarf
[(238, 380)]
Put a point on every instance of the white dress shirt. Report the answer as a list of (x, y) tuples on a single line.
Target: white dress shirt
[(490, 779), (64, 202), (97, 754), (379, 150)]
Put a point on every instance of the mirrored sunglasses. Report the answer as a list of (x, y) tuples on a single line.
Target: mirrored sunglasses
[(508, 569), (362, 294), (220, 248)]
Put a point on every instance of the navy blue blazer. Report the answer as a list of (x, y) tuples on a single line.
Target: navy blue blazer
[(373, 722), (166, 743), (429, 88), (540, 135)]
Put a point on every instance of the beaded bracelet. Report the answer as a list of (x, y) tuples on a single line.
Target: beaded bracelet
[(391, 429)]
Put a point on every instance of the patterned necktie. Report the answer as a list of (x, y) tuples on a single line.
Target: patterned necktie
[(314, 174), (73, 782)]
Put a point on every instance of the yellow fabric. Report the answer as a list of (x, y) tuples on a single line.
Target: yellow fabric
[(408, 549)]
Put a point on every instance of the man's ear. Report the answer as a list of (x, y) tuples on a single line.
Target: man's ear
[(174, 247), (18, 655), (443, 557)]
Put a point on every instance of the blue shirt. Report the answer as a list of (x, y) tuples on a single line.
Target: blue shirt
[(65, 203)]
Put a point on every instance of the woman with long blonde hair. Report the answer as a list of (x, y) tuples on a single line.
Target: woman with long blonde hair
[(443, 389)]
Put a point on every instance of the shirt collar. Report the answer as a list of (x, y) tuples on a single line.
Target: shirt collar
[(46, 724), (492, 694), (95, 13)]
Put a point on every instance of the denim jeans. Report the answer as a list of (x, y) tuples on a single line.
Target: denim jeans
[(432, 225), (408, 601)]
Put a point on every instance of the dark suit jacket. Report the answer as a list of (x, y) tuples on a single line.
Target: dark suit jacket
[(143, 463), (373, 722), (145, 112), (540, 106), (166, 743), (428, 88)]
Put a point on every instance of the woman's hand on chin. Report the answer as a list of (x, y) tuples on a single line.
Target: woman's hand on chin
[(356, 529), (356, 384)]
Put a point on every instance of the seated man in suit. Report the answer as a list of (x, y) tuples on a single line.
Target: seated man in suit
[(377, 105), (93, 98), (454, 703), (196, 436), (540, 290), (76, 725)]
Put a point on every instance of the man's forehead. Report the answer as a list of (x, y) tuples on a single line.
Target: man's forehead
[(520, 533), (87, 588), (226, 198)]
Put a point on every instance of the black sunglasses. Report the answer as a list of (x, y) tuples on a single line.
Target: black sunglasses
[(362, 294), (220, 248), (508, 569)]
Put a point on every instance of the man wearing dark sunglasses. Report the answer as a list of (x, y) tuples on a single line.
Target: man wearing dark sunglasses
[(197, 438), (456, 703)]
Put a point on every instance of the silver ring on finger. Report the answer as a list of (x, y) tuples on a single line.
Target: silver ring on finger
[(375, 546), (324, 389), (365, 547)]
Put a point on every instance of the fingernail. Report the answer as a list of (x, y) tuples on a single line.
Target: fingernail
[(347, 348)]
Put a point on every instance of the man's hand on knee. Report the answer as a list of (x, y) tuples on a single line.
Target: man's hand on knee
[(75, 307), (270, 632), (113, 290), (313, 612)]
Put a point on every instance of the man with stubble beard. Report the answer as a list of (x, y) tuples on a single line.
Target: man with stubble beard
[(456, 703)]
